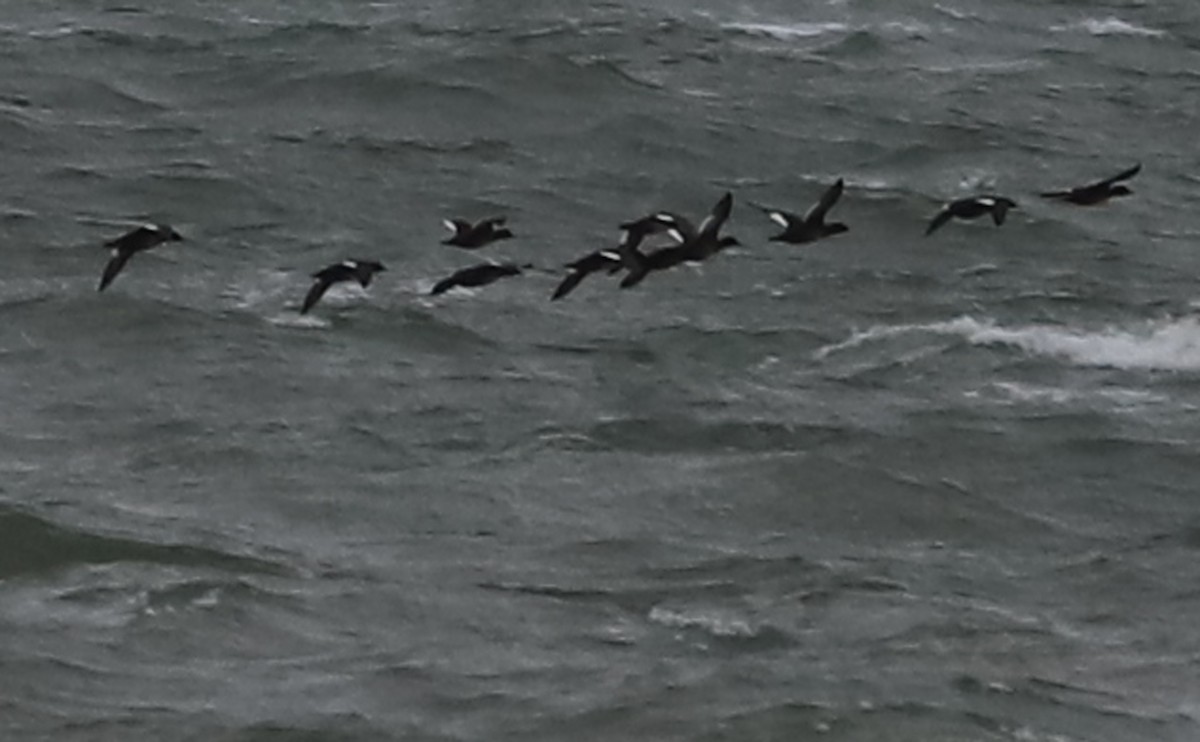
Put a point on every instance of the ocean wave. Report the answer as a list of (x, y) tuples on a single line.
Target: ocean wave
[(1019, 392), (787, 31), (665, 435), (295, 319), (717, 623), (1170, 345), (897, 30), (31, 544), (1110, 26), (255, 30)]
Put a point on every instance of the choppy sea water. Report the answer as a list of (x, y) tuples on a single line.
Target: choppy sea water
[(881, 487)]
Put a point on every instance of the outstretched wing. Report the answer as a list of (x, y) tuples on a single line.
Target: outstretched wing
[(568, 284), (1123, 175), (783, 218), (631, 257), (115, 264), (719, 214), (635, 276), (1099, 188), (816, 214), (315, 292), (679, 228), (444, 285), (614, 261), (941, 218)]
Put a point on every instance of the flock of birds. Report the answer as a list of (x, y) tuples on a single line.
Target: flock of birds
[(689, 243)]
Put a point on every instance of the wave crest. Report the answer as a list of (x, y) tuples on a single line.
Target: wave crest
[(1166, 345), (1110, 26)]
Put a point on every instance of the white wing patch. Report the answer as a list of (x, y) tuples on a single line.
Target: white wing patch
[(450, 225), (676, 235), (778, 218), (988, 202), (610, 255), (349, 264)]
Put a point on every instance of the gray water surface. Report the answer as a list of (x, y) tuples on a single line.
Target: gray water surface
[(880, 487)]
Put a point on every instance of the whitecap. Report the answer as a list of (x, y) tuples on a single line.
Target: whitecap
[(1022, 392), (787, 31), (1110, 26), (1171, 347), (295, 319), (716, 624), (906, 28), (1168, 345)]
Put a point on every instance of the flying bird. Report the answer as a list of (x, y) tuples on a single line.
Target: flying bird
[(798, 230), (473, 236), (581, 268), (1098, 192), (632, 235), (695, 243), (704, 241), (127, 245), (347, 270), (477, 275), (972, 208)]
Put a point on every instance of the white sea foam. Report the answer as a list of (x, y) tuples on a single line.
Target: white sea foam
[(295, 319), (1110, 26), (716, 624), (1169, 345), (1021, 392), (1173, 346), (787, 31), (907, 28)]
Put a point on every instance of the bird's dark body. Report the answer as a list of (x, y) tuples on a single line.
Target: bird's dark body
[(696, 244), (474, 236), (477, 275), (799, 230), (972, 208), (129, 244), (577, 270), (348, 270), (1098, 192)]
